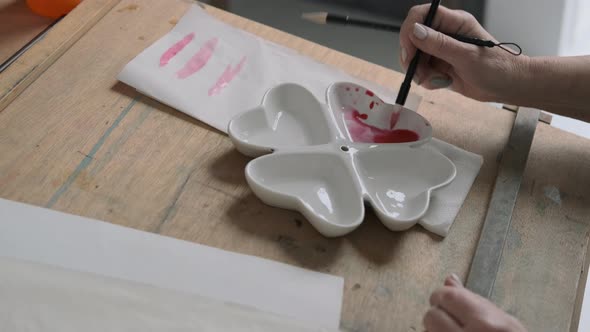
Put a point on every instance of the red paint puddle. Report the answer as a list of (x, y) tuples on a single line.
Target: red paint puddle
[(369, 93), (199, 60), (175, 49), (371, 105), (363, 132), (228, 75), (356, 89), (397, 136)]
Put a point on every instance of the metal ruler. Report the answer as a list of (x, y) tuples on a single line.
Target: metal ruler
[(488, 255)]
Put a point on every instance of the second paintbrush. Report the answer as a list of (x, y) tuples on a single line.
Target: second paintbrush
[(330, 18)]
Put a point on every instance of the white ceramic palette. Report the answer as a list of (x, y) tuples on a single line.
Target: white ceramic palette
[(325, 161)]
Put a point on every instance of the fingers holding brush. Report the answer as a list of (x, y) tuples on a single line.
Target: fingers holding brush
[(457, 53), (446, 21), (436, 74), (434, 71)]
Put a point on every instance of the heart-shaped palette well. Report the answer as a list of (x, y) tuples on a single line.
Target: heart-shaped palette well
[(366, 118), (290, 116), (319, 184), (398, 181)]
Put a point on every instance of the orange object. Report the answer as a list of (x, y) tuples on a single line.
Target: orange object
[(52, 8)]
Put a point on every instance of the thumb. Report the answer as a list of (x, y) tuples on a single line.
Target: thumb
[(438, 44)]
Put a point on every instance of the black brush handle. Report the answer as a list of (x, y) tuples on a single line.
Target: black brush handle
[(407, 84)]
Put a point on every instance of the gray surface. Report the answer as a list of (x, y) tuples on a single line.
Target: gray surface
[(485, 264), (375, 46)]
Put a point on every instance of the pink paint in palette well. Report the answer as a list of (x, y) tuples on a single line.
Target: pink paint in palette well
[(199, 60), (366, 133), (175, 49), (228, 75)]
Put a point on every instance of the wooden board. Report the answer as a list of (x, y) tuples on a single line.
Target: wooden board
[(42, 55), (80, 142), (18, 25)]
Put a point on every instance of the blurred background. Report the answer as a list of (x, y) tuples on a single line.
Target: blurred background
[(541, 27), (375, 46)]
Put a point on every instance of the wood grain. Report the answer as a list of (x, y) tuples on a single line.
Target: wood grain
[(80, 142), (42, 55), (18, 25)]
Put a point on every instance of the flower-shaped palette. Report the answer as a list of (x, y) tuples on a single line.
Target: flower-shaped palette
[(325, 161)]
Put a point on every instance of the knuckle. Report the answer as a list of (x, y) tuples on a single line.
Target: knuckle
[(413, 10), (419, 9), (434, 297), (418, 12), (428, 318), (465, 15), (490, 324), (449, 295), (441, 42)]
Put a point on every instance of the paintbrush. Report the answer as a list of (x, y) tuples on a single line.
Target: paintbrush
[(323, 18), (404, 90), (330, 18)]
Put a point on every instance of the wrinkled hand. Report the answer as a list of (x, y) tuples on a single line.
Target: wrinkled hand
[(486, 74), (456, 309)]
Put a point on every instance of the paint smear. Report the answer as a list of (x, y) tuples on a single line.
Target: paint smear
[(199, 60), (362, 132), (175, 49), (228, 75)]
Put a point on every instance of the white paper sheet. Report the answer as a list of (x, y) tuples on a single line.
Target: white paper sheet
[(38, 298), (446, 202), (50, 237), (266, 65)]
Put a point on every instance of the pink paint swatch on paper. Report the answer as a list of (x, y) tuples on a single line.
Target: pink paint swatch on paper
[(228, 75), (199, 60), (175, 49)]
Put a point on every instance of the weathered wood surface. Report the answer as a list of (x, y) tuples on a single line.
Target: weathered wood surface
[(78, 141)]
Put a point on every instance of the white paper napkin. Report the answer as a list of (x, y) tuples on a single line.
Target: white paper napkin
[(446, 202), (263, 65)]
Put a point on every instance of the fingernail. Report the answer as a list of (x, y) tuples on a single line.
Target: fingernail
[(404, 55), (420, 31), (441, 82), (456, 279)]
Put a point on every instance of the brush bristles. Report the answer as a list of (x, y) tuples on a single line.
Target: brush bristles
[(318, 17)]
